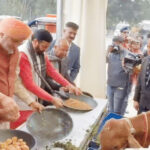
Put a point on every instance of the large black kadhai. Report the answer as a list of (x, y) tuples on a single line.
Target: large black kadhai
[(8, 134), (50, 125)]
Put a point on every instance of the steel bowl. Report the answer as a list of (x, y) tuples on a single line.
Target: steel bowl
[(8, 133), (49, 125)]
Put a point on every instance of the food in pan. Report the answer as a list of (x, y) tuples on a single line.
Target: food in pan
[(76, 104), (14, 144)]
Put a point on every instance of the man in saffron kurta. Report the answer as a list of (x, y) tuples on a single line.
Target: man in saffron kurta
[(12, 33)]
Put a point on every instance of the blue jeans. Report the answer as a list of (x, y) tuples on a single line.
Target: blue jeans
[(129, 86), (116, 99)]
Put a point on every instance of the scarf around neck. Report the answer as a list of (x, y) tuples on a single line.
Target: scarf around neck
[(39, 69)]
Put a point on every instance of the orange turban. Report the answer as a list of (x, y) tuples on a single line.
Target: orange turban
[(15, 29)]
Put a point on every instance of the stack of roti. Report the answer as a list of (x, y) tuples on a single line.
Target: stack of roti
[(77, 104)]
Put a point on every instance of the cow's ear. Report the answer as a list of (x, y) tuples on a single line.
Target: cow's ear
[(132, 142)]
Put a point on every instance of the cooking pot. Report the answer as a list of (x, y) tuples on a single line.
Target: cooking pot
[(8, 134), (49, 125)]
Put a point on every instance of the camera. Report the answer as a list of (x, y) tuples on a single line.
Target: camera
[(115, 48), (132, 60), (117, 40)]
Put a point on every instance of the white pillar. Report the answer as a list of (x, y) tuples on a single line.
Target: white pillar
[(91, 17), (59, 19)]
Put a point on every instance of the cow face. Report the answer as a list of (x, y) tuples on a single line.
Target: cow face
[(114, 135), (117, 135)]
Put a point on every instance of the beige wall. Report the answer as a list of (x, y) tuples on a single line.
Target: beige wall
[(91, 17)]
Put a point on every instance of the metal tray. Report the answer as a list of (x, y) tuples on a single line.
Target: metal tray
[(50, 125), (87, 99), (8, 133)]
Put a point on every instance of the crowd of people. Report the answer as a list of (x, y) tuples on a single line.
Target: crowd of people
[(128, 71), (41, 66)]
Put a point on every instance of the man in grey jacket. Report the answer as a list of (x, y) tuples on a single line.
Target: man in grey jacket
[(73, 57), (118, 78), (58, 53)]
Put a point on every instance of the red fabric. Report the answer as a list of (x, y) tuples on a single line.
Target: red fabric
[(126, 45), (27, 78), (23, 117)]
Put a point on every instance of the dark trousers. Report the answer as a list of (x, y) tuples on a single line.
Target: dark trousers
[(43, 102), (54, 86)]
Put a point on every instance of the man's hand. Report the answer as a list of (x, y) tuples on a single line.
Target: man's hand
[(36, 106), (73, 89), (57, 102), (110, 49), (137, 69), (136, 105), (9, 110)]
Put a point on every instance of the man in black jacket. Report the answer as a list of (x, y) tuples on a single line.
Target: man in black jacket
[(142, 91)]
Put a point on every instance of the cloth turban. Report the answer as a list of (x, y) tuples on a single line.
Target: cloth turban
[(15, 29)]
